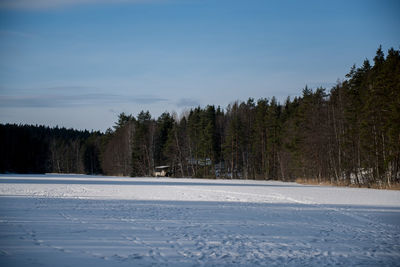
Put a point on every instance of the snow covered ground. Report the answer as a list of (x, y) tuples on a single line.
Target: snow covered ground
[(77, 220)]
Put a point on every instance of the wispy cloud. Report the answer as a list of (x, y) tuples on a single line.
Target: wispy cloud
[(56, 100), (187, 102), (45, 4), (17, 34)]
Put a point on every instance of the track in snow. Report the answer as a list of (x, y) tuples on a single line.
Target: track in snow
[(109, 221)]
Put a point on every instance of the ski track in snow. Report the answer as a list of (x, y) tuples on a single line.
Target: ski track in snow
[(77, 220)]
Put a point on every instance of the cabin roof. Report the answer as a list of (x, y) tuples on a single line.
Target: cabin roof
[(162, 167)]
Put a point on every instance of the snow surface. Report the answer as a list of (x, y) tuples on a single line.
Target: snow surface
[(78, 220)]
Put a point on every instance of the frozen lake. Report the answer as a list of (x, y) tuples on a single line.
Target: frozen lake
[(77, 220)]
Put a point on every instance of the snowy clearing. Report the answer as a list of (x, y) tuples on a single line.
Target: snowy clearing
[(77, 220)]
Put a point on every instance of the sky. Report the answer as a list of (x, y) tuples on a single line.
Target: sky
[(80, 63)]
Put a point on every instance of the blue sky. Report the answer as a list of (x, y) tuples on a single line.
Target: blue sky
[(79, 63)]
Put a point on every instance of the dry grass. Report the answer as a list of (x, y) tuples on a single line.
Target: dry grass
[(327, 183)]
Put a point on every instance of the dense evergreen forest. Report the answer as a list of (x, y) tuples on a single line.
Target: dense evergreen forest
[(349, 135), (39, 149)]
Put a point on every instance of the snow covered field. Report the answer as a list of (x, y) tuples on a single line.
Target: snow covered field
[(77, 220)]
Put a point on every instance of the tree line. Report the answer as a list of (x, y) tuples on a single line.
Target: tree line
[(349, 135), (40, 149)]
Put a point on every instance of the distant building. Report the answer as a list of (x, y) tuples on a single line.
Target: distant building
[(200, 162), (161, 171)]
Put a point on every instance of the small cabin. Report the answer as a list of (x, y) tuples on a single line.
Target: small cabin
[(161, 171)]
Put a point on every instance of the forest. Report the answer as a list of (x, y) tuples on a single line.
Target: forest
[(347, 135)]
